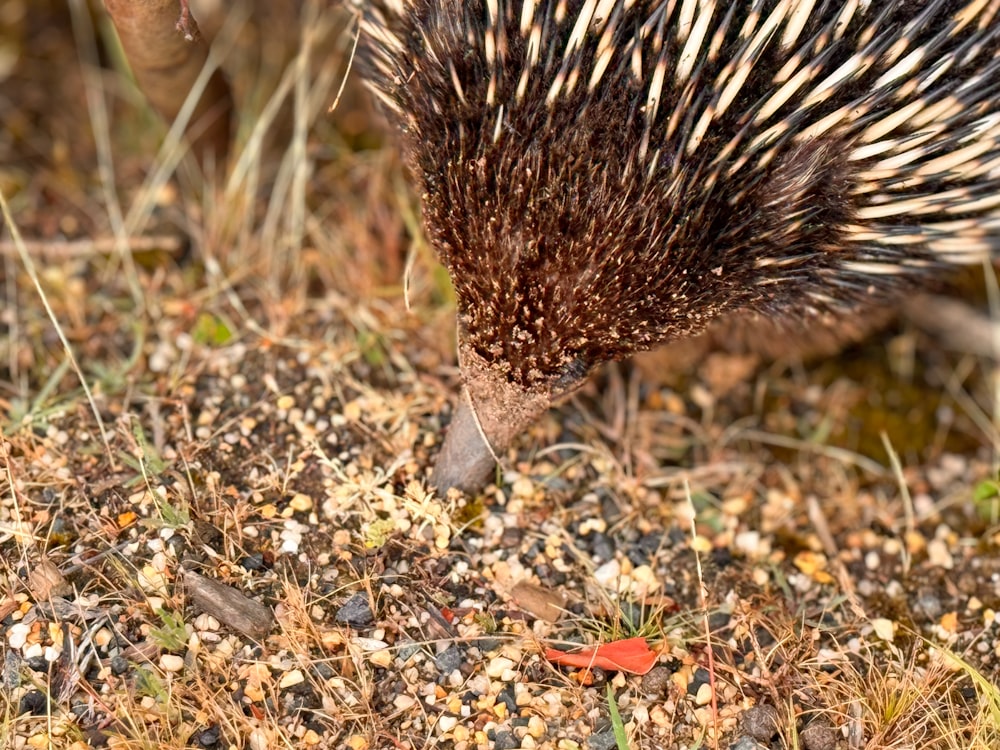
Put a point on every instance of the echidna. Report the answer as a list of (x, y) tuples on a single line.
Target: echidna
[(603, 176)]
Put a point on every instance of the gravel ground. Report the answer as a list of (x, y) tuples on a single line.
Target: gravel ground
[(779, 596)]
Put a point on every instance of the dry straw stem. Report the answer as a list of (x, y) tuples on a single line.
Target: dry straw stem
[(29, 266), (703, 600)]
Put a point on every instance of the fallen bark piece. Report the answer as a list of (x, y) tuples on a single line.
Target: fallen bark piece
[(228, 605)]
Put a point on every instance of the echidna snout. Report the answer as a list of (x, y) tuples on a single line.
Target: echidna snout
[(490, 413)]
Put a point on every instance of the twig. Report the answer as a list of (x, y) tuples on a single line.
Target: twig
[(60, 250)]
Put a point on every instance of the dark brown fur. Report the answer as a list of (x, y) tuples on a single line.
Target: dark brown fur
[(564, 255)]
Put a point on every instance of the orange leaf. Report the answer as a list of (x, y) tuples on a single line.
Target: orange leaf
[(631, 655)]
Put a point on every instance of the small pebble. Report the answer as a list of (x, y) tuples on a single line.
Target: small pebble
[(656, 681), (356, 611), (819, 735), (171, 663), (294, 677), (760, 722)]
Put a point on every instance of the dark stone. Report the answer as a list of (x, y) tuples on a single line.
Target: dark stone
[(208, 737), (33, 702), (253, 562), (632, 614), (699, 678), (722, 557), (449, 660), (598, 678), (119, 665), (356, 611), (718, 620), (928, 604), (747, 743), (38, 664), (511, 537), (650, 543), (603, 740), (656, 681), (602, 547), (487, 644), (760, 722), (819, 735), (324, 670), (506, 741), (507, 697), (407, 649)]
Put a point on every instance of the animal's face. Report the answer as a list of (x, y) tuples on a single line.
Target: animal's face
[(564, 260)]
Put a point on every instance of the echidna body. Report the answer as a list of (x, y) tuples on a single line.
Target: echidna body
[(603, 176)]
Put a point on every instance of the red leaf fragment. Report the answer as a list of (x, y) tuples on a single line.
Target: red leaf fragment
[(630, 655)]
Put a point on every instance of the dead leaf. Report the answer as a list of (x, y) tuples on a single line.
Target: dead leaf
[(544, 603), (46, 581)]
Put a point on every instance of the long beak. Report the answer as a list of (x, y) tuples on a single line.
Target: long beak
[(490, 415)]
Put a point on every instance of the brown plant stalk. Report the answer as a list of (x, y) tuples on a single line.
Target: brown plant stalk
[(167, 52)]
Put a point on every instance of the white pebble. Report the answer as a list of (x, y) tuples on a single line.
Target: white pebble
[(498, 666), (294, 677), (404, 702), (17, 635), (884, 628), (258, 740), (609, 574), (446, 723), (171, 663), (939, 554)]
